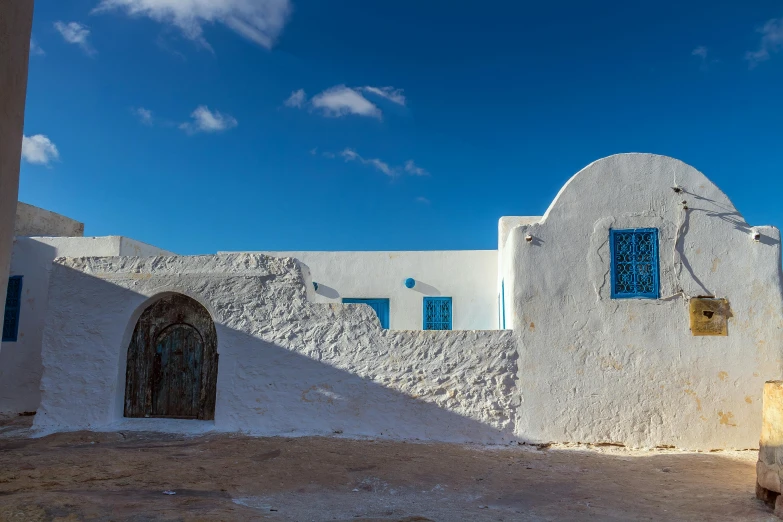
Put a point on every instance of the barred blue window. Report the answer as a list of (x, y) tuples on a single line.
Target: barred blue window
[(634, 263), (437, 313), (13, 303)]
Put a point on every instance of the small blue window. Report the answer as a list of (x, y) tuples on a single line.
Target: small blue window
[(437, 313), (381, 307), (13, 303), (634, 263)]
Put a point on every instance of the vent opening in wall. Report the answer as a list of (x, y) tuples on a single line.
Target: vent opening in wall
[(437, 313), (635, 265), (13, 305)]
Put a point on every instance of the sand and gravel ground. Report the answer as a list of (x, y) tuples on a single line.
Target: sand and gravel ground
[(123, 476)]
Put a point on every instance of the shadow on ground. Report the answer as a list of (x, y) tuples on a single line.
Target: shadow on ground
[(123, 476)]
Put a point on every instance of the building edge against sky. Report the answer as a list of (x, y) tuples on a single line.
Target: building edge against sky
[(16, 21), (599, 293)]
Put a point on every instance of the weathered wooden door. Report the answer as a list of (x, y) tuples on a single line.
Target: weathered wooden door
[(172, 361), (176, 372)]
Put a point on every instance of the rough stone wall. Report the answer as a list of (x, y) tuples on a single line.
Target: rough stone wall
[(597, 369), (287, 365), (34, 221)]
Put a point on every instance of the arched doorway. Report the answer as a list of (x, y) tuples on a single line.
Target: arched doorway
[(172, 361)]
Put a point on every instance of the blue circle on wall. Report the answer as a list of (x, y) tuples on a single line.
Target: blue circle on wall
[(410, 282)]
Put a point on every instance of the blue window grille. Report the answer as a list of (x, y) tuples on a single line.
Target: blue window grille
[(13, 304), (437, 313), (503, 301), (381, 307), (634, 263)]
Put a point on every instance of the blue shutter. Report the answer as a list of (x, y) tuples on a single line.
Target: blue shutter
[(437, 313), (13, 304), (381, 307), (635, 263), (503, 300)]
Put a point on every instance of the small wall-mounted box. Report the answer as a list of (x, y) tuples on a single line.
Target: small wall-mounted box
[(709, 316)]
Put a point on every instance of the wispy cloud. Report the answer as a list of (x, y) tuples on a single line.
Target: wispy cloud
[(39, 150), (771, 42), (341, 100), (297, 99), (412, 168), (144, 115), (35, 49), (349, 154), (423, 200), (77, 34), (205, 120), (703, 54), (260, 21), (390, 93)]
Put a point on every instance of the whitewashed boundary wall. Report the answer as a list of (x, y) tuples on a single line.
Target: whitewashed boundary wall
[(593, 368), (20, 361), (287, 366)]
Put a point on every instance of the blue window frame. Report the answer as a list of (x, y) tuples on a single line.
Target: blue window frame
[(437, 313), (635, 265), (381, 307), (13, 304)]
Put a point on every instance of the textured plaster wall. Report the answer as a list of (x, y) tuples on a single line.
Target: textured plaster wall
[(287, 365), (469, 277), (16, 19), (596, 369), (34, 221), (20, 361)]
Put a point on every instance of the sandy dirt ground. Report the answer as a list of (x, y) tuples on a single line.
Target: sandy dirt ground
[(123, 476)]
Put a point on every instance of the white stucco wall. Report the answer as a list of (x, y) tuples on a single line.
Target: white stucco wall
[(287, 366), (469, 277), (34, 221), (16, 20), (594, 368), (20, 361)]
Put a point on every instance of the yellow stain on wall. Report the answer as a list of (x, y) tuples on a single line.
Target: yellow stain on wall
[(725, 418), (698, 401), (722, 375)]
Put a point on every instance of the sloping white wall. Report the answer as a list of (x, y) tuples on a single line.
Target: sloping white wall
[(20, 361), (34, 221), (593, 368), (287, 366), (469, 277)]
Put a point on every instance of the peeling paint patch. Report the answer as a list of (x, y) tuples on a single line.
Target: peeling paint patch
[(723, 375), (748, 399), (532, 327), (725, 418)]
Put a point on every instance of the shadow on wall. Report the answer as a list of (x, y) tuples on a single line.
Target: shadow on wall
[(424, 288), (270, 387), (20, 361)]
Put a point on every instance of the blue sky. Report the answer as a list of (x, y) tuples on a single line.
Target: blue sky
[(353, 124)]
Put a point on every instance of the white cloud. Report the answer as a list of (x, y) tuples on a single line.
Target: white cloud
[(260, 21), (341, 100), (297, 99), (423, 200), (77, 34), (204, 120), (771, 42), (39, 150), (144, 115), (35, 49), (390, 93), (412, 168), (700, 51)]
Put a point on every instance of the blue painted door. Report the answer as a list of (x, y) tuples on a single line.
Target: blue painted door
[(381, 307)]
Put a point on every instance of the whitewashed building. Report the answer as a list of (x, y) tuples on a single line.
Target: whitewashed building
[(641, 309)]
